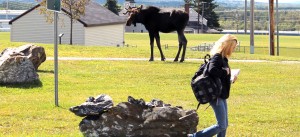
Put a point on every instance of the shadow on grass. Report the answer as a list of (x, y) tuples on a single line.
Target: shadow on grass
[(29, 85), (46, 71), (185, 62)]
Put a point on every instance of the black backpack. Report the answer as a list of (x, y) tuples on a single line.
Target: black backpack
[(205, 87)]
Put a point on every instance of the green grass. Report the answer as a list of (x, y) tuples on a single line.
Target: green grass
[(263, 102), (139, 47)]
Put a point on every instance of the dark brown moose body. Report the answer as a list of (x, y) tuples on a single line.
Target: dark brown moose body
[(155, 21)]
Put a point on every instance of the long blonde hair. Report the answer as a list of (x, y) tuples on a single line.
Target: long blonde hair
[(225, 45)]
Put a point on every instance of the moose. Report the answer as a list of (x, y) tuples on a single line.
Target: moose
[(155, 20)]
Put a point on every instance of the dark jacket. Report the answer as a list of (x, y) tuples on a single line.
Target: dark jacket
[(217, 69)]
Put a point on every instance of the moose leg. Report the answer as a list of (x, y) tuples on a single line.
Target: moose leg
[(151, 46), (178, 53), (183, 41), (157, 39)]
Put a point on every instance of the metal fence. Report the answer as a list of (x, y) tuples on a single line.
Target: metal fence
[(283, 51)]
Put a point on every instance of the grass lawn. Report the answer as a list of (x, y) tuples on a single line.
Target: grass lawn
[(263, 102), (139, 47)]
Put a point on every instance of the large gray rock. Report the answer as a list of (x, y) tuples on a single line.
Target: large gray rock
[(36, 54), (17, 70), (93, 106), (19, 65), (137, 118)]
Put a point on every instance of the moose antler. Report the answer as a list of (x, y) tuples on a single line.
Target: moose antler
[(125, 12), (140, 7), (128, 10), (131, 9)]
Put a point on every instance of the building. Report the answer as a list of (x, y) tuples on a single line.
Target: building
[(98, 26), (6, 16), (193, 21)]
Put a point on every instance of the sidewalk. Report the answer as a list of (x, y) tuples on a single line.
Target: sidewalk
[(157, 59)]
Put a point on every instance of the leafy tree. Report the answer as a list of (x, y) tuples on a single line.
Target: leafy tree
[(112, 6), (209, 13), (75, 9)]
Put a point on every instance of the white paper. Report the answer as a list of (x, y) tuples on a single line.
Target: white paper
[(234, 73)]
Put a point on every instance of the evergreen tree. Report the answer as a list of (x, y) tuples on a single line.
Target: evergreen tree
[(209, 14), (112, 6)]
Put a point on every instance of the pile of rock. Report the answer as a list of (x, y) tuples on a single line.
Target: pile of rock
[(134, 118), (19, 65)]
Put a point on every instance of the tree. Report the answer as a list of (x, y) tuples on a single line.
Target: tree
[(75, 9), (209, 14), (112, 6)]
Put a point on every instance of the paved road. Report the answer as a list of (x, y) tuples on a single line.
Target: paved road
[(146, 59)]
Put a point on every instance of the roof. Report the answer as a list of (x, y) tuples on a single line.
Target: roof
[(95, 15)]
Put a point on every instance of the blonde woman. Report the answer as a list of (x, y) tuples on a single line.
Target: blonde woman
[(219, 67)]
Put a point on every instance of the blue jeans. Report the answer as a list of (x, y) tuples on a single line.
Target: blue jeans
[(221, 113)]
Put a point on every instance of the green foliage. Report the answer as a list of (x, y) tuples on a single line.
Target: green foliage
[(138, 47), (288, 19), (209, 13), (112, 6)]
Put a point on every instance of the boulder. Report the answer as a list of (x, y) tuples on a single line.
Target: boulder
[(136, 118), (36, 54), (19, 65), (17, 69), (93, 106)]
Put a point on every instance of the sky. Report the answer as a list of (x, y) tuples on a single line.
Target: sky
[(279, 1)]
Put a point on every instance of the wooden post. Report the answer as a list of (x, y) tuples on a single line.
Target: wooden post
[(277, 29), (271, 28), (245, 18), (251, 27)]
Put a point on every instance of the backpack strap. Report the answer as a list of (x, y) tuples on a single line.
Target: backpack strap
[(198, 106), (206, 58)]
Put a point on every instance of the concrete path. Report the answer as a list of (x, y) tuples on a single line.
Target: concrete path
[(157, 59)]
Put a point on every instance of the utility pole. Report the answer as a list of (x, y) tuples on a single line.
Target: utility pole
[(237, 21), (6, 9), (277, 22), (198, 10), (271, 26), (245, 18), (202, 16), (251, 27)]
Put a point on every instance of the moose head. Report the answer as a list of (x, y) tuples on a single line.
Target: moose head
[(133, 13)]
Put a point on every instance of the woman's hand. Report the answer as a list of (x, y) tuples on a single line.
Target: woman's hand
[(234, 79), (228, 71)]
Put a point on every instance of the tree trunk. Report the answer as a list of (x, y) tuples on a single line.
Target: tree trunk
[(71, 21), (71, 32)]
